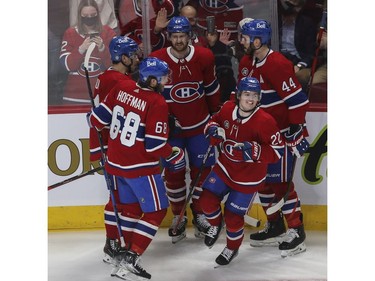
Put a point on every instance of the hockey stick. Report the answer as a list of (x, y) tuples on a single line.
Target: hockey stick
[(273, 209), (315, 61), (252, 221), (102, 160), (91, 172), (192, 188)]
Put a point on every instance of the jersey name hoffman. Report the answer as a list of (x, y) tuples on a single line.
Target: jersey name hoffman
[(131, 100)]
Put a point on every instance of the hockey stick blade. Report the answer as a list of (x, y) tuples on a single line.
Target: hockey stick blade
[(88, 54), (273, 209), (252, 221)]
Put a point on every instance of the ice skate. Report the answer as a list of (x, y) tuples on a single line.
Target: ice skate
[(226, 256), (294, 242), (212, 235), (180, 231), (201, 224), (112, 251), (272, 234), (130, 268)]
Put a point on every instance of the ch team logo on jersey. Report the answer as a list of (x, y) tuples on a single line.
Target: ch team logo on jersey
[(185, 92), (215, 6), (230, 152), (245, 71), (93, 68)]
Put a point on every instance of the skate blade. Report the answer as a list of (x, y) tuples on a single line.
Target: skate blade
[(271, 242), (301, 248), (199, 234), (107, 259), (125, 274), (176, 239)]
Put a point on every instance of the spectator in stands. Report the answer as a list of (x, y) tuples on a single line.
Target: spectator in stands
[(297, 34), (134, 28), (227, 14), (76, 40), (197, 36), (320, 75), (224, 70), (58, 22), (106, 10)]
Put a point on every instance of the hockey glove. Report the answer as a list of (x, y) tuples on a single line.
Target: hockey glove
[(295, 140), (250, 150), (213, 133), (176, 161)]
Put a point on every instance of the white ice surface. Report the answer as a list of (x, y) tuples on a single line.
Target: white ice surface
[(77, 256)]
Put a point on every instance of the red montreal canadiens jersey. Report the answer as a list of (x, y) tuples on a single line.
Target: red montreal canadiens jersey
[(249, 176), (138, 131), (76, 86), (105, 82), (192, 92), (282, 94)]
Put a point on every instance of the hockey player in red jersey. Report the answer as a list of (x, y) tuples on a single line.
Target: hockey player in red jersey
[(284, 99), (74, 45), (137, 115), (124, 55), (249, 139), (192, 94)]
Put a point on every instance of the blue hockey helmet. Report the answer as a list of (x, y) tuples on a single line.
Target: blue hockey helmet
[(257, 28), (248, 84), (155, 67), (122, 45), (179, 25)]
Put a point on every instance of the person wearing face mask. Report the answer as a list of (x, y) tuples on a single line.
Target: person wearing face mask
[(76, 40), (106, 10), (283, 98)]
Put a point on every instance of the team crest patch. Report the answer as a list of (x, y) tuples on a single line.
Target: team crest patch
[(244, 71), (212, 180), (226, 124)]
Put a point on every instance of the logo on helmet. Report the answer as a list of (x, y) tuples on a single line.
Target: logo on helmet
[(151, 63), (261, 25)]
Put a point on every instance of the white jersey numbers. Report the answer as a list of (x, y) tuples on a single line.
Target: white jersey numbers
[(128, 131), (161, 127), (287, 86)]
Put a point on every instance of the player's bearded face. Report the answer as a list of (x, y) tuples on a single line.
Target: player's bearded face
[(245, 41), (250, 51), (179, 41)]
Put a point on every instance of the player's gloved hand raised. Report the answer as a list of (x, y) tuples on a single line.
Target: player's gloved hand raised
[(250, 150), (295, 140), (176, 161), (213, 132)]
